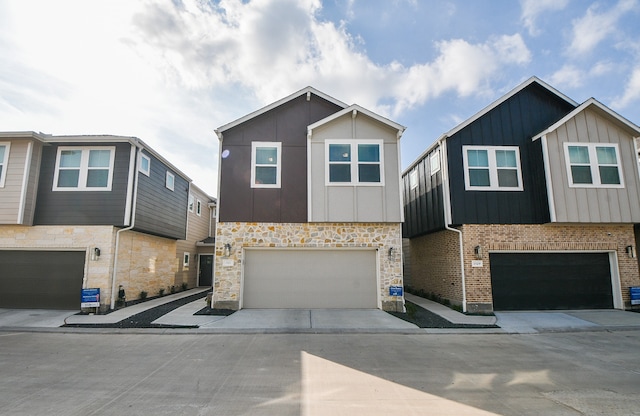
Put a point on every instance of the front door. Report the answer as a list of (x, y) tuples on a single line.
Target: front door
[(205, 276)]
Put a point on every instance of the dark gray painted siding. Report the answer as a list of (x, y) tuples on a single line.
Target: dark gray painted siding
[(82, 207), (287, 124), (513, 122), (159, 210), (423, 205)]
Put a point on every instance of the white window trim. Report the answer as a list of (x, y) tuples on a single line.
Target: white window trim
[(171, 185), (148, 159), (5, 162), (413, 179), (493, 169), (434, 163), (186, 258), (353, 162), (198, 207), (254, 146), (191, 202), (593, 165), (84, 169)]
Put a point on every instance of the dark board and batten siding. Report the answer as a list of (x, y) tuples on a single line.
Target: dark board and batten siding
[(512, 123), (423, 205), (159, 210), (287, 124), (82, 207)]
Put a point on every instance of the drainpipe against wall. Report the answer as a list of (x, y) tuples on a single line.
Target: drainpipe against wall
[(447, 217), (133, 223)]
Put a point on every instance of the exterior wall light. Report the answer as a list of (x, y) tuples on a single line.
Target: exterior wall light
[(477, 251), (227, 250), (95, 253), (631, 251), (390, 253)]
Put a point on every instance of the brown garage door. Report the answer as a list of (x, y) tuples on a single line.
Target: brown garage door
[(41, 279), (314, 278)]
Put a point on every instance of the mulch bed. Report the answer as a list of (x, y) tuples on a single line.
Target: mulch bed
[(427, 319), (144, 319)]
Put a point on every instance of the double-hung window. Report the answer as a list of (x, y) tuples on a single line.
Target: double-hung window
[(492, 168), (4, 159), (84, 169), (265, 164), (354, 162), (593, 165)]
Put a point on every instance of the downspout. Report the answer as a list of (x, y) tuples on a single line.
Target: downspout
[(447, 218), (133, 223)]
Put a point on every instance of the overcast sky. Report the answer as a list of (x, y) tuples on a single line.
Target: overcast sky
[(170, 72)]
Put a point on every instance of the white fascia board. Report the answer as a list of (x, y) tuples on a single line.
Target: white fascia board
[(590, 102), (271, 106), (23, 135), (358, 109)]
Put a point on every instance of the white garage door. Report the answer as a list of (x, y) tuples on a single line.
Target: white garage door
[(314, 278)]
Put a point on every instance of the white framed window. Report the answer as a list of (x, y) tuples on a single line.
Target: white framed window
[(198, 207), (4, 161), (265, 164), (145, 164), (434, 162), (593, 165), (191, 203), (170, 180), (84, 168), (413, 179), (186, 257), (354, 162), (492, 168)]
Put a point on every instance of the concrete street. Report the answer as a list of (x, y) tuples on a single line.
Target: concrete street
[(142, 373)]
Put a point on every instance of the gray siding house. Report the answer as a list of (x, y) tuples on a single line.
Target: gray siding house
[(80, 212), (309, 207)]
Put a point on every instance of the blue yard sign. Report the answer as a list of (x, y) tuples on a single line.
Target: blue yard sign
[(634, 293), (395, 290), (90, 298)]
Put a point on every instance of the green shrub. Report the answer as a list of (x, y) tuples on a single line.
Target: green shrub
[(143, 295), (161, 292)]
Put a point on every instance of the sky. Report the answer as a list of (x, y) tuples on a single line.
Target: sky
[(172, 71)]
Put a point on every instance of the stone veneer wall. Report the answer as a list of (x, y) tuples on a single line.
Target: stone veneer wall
[(227, 279), (146, 262), (546, 237), (435, 265)]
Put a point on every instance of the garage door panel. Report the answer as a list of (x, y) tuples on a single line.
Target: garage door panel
[(310, 279), (41, 279), (523, 281)]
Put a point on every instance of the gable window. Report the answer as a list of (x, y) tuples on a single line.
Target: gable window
[(191, 203), (492, 168), (4, 159), (145, 164), (593, 165), (435, 163), (354, 162), (170, 181), (265, 164), (413, 179), (84, 169)]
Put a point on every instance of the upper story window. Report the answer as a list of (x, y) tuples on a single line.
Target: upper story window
[(351, 162), (435, 163), (199, 207), (191, 203), (593, 165), (170, 180), (492, 168), (4, 160), (84, 169), (145, 164), (265, 164), (413, 179)]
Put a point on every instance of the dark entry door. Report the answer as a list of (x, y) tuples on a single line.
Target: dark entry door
[(205, 277), (538, 281), (41, 279)]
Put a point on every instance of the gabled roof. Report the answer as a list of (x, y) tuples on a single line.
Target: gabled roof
[(307, 91), (487, 109), (354, 109), (601, 109)]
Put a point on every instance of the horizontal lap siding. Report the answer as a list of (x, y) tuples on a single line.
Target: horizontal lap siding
[(10, 193)]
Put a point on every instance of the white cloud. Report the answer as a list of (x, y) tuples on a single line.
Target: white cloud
[(570, 76), (632, 91), (595, 26), (531, 9)]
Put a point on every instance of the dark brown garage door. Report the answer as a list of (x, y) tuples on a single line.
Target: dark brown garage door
[(41, 279), (539, 281)]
